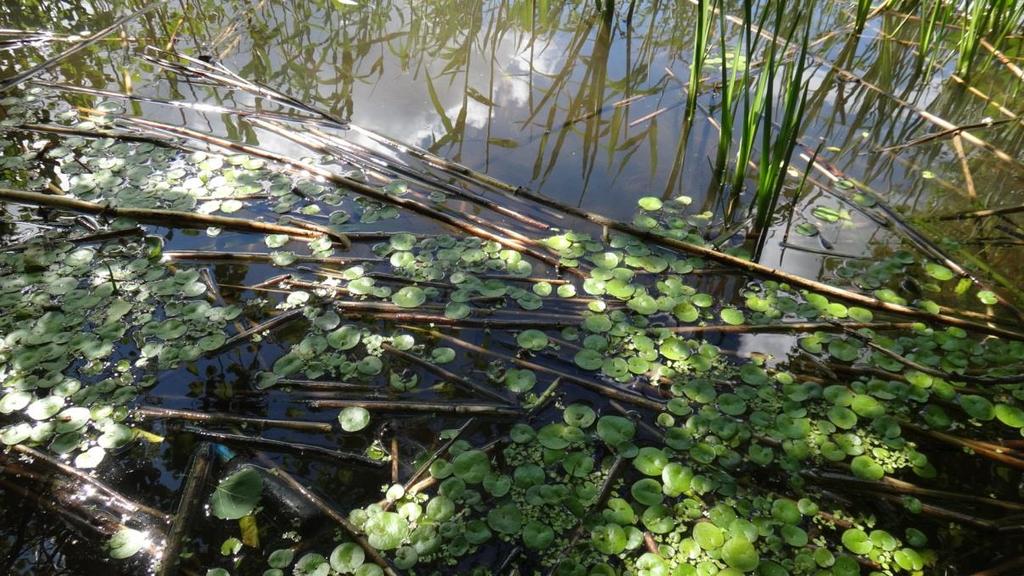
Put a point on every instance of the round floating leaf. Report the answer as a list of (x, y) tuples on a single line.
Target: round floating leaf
[(708, 536), (739, 553), (91, 458), (409, 297), (282, 558), (647, 491), (537, 535), (288, 364), (857, 541), (865, 467), (675, 479), (354, 418), (977, 407), (115, 436), (505, 519), (987, 297), (938, 271), (276, 240), (237, 495), (386, 530), (442, 355), (556, 436), (843, 350), (842, 417), (345, 558), (806, 229), (608, 539), (588, 359), (14, 401), (126, 543), (615, 430), (471, 466), (45, 408), (532, 339), (786, 511), (579, 415), (312, 564), (650, 203), (650, 461), (732, 316), (1010, 415), (520, 380), (345, 338)]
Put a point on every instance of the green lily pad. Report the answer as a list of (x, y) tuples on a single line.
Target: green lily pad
[(732, 316), (354, 418), (409, 297), (126, 543), (532, 340), (505, 519)]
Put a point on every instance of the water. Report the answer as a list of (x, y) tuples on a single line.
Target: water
[(581, 105)]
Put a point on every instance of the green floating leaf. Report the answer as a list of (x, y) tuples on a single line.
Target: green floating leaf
[(987, 297), (806, 229), (237, 495), (650, 203), (346, 558), (865, 467), (532, 340), (732, 316), (126, 543), (354, 418), (938, 271), (409, 297), (740, 554)]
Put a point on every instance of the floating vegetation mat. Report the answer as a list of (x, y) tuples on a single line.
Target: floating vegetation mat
[(345, 355)]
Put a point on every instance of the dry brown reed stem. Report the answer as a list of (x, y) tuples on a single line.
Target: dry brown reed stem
[(484, 323), (593, 385), (419, 472), (153, 412), (122, 500), (171, 218), (189, 503), (909, 231), (417, 406), (98, 525), (928, 369), (338, 518), (459, 192), (982, 449), (269, 324), (983, 213), (354, 185), (896, 486), (715, 255), (777, 274), (614, 471), (947, 133), (300, 449), (1010, 65), (20, 77), (215, 256), (323, 385), (445, 374), (781, 327)]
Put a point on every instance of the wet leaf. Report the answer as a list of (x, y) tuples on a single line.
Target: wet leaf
[(237, 495)]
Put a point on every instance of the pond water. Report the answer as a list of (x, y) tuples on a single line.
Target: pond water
[(812, 450)]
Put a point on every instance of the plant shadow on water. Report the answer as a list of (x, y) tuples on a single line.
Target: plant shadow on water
[(481, 287)]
